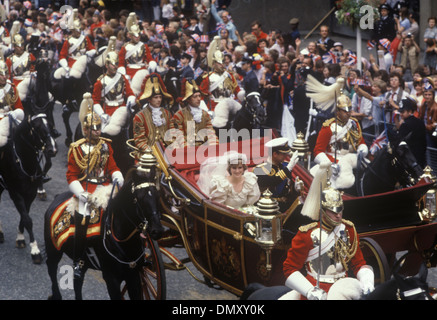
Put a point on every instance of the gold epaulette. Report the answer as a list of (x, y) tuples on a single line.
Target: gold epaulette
[(106, 139), (77, 143), (262, 166), (308, 227), (348, 223), (206, 75), (328, 122)]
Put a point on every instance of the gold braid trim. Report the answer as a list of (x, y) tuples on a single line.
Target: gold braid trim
[(344, 252), (82, 161)]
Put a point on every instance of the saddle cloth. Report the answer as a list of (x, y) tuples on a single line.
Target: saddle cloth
[(62, 224)]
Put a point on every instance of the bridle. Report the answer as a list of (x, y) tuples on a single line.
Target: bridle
[(412, 294), (140, 227), (38, 151)]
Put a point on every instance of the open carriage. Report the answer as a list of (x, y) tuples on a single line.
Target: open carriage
[(232, 248)]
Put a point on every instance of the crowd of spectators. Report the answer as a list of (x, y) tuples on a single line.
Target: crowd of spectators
[(280, 59)]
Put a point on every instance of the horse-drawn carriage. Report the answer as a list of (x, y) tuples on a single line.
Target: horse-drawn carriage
[(232, 248)]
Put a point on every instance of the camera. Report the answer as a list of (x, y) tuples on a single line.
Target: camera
[(409, 35)]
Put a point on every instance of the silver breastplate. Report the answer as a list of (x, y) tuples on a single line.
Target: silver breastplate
[(330, 265)]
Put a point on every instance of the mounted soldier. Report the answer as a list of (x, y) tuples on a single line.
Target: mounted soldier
[(220, 87), (340, 141), (10, 104), (327, 250), (114, 101), (91, 168), (135, 55), (21, 64), (75, 52)]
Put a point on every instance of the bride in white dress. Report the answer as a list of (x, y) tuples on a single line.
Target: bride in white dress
[(227, 181)]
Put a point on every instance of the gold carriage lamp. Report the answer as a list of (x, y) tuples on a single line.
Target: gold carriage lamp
[(146, 162), (303, 149), (428, 212), (268, 225)]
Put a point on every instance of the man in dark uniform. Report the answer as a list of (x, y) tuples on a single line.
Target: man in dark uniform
[(186, 71), (413, 130), (385, 27), (250, 81), (274, 174)]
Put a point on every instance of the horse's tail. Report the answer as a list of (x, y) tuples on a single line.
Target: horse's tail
[(251, 288)]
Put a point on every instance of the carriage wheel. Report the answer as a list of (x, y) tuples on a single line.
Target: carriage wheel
[(375, 257), (152, 273)]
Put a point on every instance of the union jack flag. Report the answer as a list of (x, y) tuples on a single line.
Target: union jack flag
[(220, 26), (379, 143), (352, 59), (371, 44), (329, 58), (159, 29)]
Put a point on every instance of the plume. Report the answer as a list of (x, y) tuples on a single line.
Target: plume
[(323, 95)]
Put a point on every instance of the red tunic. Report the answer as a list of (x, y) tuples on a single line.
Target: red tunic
[(74, 172), (12, 95), (115, 98), (64, 54), (302, 244), (16, 78), (323, 143), (147, 57)]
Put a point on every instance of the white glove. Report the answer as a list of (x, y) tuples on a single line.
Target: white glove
[(367, 279), (313, 112), (17, 114), (298, 282), (89, 55), (293, 160), (84, 197), (117, 175), (131, 102), (316, 294), (105, 119), (76, 188)]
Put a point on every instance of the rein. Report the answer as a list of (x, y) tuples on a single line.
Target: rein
[(137, 228)]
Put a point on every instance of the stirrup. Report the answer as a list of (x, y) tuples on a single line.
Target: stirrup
[(77, 269)]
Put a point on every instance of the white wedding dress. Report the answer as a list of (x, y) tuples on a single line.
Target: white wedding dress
[(222, 191)]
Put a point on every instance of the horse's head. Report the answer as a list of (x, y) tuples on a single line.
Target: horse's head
[(411, 287), (145, 191), (254, 105), (40, 134), (404, 161)]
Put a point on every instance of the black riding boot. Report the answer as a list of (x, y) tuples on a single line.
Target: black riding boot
[(81, 224)]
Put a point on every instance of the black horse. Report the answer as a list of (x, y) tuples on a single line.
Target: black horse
[(250, 116), (130, 216), (39, 102), (394, 165), (20, 170)]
